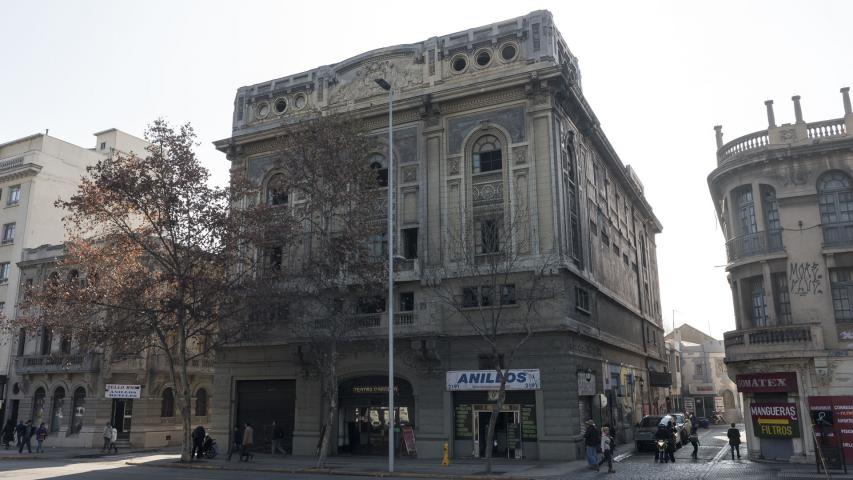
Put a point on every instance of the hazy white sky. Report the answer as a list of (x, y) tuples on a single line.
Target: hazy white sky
[(659, 75)]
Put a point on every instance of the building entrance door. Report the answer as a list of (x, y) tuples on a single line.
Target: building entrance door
[(122, 416), (507, 442)]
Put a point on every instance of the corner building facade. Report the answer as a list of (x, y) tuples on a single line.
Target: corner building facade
[(511, 89), (784, 197)]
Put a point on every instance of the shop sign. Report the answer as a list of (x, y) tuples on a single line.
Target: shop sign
[(701, 388), (660, 379), (832, 417), (767, 382), (586, 384), (459, 380), (689, 406), (116, 390), (775, 420)]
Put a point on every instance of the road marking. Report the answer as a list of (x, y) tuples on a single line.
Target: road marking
[(619, 458)]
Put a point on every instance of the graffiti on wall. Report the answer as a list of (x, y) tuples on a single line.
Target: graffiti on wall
[(805, 279)]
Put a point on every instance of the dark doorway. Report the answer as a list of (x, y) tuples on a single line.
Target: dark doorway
[(16, 405), (506, 433), (363, 409), (122, 416), (260, 402)]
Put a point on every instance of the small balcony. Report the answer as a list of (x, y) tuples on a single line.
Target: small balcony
[(759, 243), (195, 366), (77, 363), (780, 341)]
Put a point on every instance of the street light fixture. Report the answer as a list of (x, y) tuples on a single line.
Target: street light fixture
[(392, 420)]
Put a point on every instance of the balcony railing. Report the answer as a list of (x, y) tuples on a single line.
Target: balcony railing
[(834, 128), (838, 234), (759, 243), (773, 341), (79, 363)]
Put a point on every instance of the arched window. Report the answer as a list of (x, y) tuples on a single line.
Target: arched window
[(167, 404), (79, 410), (380, 166), (38, 406), (276, 190), (835, 197), (487, 155), (745, 205), (56, 412), (201, 403)]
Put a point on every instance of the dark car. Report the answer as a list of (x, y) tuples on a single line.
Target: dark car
[(644, 432)]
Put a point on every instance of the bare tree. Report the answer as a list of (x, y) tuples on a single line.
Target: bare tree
[(161, 262), (493, 282), (332, 268)]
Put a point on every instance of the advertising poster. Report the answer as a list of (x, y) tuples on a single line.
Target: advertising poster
[(775, 420), (833, 422)]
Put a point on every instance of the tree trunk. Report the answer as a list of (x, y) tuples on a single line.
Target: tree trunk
[(493, 419), (185, 405), (331, 389)]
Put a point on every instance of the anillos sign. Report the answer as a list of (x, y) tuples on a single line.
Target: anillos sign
[(459, 380)]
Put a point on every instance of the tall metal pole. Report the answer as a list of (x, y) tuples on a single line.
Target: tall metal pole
[(391, 415)]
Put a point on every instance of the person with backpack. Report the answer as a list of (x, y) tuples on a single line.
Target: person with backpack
[(592, 440), (198, 441), (734, 441), (41, 436)]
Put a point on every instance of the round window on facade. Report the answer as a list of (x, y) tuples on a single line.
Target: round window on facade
[(459, 63), (280, 105), (263, 109), (508, 52), (483, 58), (300, 101)]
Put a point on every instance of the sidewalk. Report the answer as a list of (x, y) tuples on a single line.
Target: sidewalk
[(377, 467), (55, 453)]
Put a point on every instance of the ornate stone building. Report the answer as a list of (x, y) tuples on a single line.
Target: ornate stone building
[(784, 197), (54, 381), (508, 93)]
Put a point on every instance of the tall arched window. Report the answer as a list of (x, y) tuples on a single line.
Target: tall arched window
[(201, 403), (835, 198), (745, 210), (79, 409), (167, 403), (38, 406), (487, 155), (276, 190), (56, 412), (772, 224)]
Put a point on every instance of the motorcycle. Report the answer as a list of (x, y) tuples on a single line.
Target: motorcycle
[(209, 449), (661, 452)]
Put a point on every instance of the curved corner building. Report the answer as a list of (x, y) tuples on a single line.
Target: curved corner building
[(784, 197)]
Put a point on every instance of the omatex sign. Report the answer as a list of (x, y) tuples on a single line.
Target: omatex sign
[(459, 380)]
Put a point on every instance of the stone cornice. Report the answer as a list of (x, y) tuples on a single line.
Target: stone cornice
[(24, 171)]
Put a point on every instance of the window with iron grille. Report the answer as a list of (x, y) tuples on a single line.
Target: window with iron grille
[(835, 198), (783, 297), (745, 210), (842, 292), (757, 306), (771, 209), (487, 155)]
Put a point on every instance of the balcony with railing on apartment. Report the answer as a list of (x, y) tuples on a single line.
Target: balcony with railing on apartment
[(57, 363), (787, 135), (754, 244), (777, 341)]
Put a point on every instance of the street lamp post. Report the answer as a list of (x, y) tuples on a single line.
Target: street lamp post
[(392, 420)]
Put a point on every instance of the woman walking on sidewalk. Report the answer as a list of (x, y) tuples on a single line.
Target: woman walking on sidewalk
[(607, 449), (41, 436)]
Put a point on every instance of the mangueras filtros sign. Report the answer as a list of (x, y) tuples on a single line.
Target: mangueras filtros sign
[(460, 380)]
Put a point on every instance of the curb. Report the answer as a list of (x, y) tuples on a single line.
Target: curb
[(331, 471), (38, 456)]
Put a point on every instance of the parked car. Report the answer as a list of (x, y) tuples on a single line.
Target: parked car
[(681, 436), (644, 431)]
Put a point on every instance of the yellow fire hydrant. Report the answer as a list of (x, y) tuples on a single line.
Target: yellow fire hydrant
[(445, 460)]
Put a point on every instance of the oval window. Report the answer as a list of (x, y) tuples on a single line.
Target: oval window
[(484, 58), (508, 52)]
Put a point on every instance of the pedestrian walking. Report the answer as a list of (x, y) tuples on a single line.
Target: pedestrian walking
[(26, 438), (20, 430), (108, 433), (734, 440), (248, 442), (592, 440), (694, 422), (9, 433), (113, 439), (606, 449), (694, 440), (277, 438), (198, 441), (41, 436), (670, 448), (236, 442)]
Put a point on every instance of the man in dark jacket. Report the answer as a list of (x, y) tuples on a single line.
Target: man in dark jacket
[(198, 441), (734, 440), (26, 436), (592, 440), (662, 434), (236, 441)]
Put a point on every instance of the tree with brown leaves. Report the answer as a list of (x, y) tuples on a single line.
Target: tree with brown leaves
[(165, 265)]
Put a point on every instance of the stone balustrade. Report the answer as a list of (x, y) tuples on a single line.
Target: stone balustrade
[(76, 363), (776, 341)]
